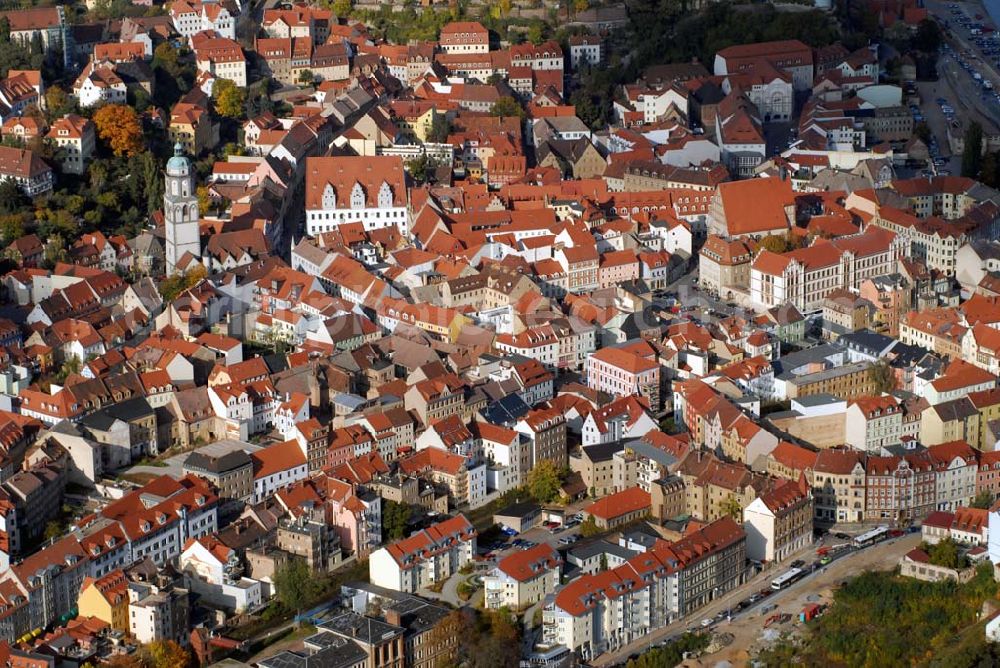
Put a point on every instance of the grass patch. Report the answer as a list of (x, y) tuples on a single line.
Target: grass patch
[(150, 461), (883, 619)]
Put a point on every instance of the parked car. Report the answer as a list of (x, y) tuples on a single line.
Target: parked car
[(798, 563), (705, 623)]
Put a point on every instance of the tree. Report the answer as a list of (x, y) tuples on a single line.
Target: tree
[(178, 283), (544, 482), (165, 56), (342, 8), (945, 553), (928, 36), (507, 106), (70, 367), (119, 128), (883, 619), (500, 9), (422, 167), (883, 376), (12, 200), (53, 529), (673, 653), (292, 584), (57, 102), (229, 98), (983, 500), (536, 32), (972, 152), (167, 654), (989, 173), (775, 243), (11, 228), (55, 251), (133, 660), (732, 507), (306, 77), (440, 129), (922, 131), (477, 639), (589, 528), (395, 518), (204, 201)]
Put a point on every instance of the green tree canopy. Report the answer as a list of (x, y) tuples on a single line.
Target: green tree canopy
[(230, 99), (946, 553), (589, 528), (292, 584), (544, 481), (507, 106), (395, 518), (972, 150), (440, 129), (983, 500), (883, 376), (883, 619), (732, 507)]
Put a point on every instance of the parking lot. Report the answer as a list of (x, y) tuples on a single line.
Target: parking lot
[(560, 537)]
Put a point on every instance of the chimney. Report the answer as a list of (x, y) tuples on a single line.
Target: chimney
[(392, 616)]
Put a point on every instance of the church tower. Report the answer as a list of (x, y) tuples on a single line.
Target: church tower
[(180, 211)]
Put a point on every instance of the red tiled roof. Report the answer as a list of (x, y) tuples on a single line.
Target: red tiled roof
[(624, 360), (528, 564), (279, 457), (621, 503)]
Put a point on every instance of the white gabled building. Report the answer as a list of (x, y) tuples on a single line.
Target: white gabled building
[(369, 190), (191, 17), (428, 556), (621, 420), (537, 343), (276, 467)]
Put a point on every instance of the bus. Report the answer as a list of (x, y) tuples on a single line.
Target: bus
[(786, 579), (871, 537)]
